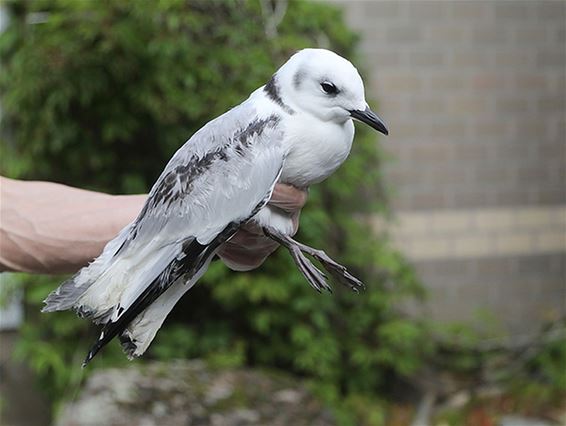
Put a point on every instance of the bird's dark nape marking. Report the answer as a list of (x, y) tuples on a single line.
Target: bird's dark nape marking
[(194, 256), (298, 79), (272, 91)]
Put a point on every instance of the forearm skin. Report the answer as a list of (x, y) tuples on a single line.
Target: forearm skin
[(51, 228)]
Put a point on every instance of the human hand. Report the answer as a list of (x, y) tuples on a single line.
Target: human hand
[(249, 247)]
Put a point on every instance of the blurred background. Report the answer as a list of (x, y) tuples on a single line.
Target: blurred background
[(475, 93), (462, 322)]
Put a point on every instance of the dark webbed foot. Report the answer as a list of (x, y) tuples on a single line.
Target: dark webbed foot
[(313, 275)]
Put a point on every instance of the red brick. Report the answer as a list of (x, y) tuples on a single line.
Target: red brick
[(512, 105), (470, 104), (399, 82), (530, 80), (551, 104), (480, 57), (429, 105), (447, 81), (491, 33), (530, 35), (428, 200), (424, 58), (514, 57)]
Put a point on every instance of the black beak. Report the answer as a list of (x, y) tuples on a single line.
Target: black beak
[(370, 118)]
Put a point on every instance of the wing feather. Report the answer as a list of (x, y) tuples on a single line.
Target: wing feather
[(220, 176), (217, 177), (200, 198)]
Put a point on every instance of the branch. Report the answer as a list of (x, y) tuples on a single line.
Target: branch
[(273, 12)]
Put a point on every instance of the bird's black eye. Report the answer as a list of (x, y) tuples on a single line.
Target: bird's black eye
[(329, 88)]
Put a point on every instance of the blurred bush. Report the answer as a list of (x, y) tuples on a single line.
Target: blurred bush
[(101, 94)]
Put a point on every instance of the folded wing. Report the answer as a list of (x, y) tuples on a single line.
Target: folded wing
[(219, 179)]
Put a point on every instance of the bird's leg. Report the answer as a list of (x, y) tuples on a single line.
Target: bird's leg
[(311, 273), (314, 276)]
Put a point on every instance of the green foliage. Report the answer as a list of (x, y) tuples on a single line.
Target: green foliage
[(54, 346), (100, 95), (531, 378), (10, 288), (550, 363)]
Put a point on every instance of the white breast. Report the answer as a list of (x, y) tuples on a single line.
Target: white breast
[(316, 149)]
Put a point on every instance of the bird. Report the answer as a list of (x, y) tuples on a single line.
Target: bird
[(296, 129)]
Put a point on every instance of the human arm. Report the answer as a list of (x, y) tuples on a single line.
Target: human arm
[(47, 227)]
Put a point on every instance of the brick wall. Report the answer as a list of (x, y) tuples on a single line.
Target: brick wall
[(447, 234), (473, 93)]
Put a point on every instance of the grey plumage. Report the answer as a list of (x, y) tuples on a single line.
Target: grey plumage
[(178, 210)]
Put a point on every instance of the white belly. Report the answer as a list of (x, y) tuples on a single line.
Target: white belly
[(313, 160)]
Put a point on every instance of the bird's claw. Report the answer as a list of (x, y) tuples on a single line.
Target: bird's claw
[(339, 272), (315, 276)]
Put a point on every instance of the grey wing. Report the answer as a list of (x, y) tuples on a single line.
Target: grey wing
[(219, 177), (194, 207)]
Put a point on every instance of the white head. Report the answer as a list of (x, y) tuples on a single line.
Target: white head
[(325, 85)]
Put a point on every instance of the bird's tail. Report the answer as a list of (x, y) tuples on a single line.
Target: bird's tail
[(105, 287), (67, 295), (139, 333), (135, 309), (131, 290)]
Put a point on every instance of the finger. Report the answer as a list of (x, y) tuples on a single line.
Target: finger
[(251, 242), (241, 261), (242, 258), (248, 230), (288, 197)]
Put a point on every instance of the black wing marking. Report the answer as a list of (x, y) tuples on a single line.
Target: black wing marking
[(177, 180), (193, 257)]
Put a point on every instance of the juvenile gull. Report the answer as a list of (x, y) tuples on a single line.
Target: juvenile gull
[(297, 129)]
